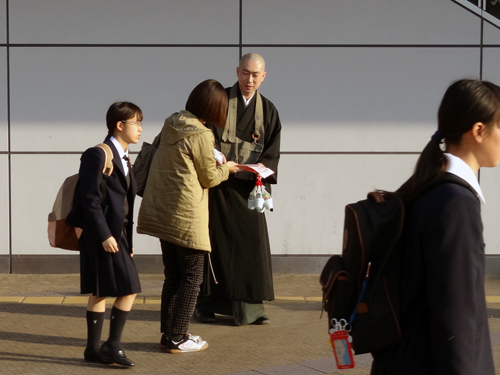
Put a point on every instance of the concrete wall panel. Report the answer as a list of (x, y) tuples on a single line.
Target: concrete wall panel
[(3, 21), (309, 200), (491, 33), (59, 96), (144, 244), (490, 65), (4, 145), (32, 201), (361, 99), (35, 182), (358, 22), (4, 205), (124, 22), (490, 181), (490, 177)]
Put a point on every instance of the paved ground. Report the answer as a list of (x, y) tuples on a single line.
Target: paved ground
[(43, 331)]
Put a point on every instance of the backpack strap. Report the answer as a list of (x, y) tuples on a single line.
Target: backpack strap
[(106, 170), (376, 195), (108, 159)]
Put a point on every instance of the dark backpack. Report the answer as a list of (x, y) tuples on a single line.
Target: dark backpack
[(372, 230), (362, 285), (143, 163)]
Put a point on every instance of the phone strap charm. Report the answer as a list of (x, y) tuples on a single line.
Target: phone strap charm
[(340, 340)]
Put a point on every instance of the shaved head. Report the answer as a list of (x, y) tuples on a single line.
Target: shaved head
[(250, 73), (255, 57)]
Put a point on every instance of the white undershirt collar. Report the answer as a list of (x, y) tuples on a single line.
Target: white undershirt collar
[(121, 153), (247, 101), (460, 168)]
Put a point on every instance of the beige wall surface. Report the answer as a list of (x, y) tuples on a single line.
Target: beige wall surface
[(357, 86)]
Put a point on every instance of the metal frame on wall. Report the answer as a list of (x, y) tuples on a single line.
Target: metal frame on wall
[(488, 10)]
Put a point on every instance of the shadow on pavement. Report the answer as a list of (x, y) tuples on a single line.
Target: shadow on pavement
[(72, 311)]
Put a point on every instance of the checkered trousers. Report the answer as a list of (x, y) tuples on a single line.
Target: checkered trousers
[(183, 276)]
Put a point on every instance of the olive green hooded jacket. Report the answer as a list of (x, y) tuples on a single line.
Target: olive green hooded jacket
[(175, 203)]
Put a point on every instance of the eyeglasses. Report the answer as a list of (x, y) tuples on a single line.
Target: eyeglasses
[(136, 123)]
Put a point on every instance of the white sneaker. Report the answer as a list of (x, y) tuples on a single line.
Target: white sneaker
[(189, 343)]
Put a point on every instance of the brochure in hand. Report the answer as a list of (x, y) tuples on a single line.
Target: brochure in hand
[(257, 169)]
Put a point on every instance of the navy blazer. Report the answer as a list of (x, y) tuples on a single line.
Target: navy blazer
[(98, 219), (444, 320)]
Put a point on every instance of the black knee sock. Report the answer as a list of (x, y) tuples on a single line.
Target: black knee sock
[(94, 329), (117, 322)]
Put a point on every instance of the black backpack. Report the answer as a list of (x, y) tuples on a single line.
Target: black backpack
[(143, 163), (372, 232), (362, 285)]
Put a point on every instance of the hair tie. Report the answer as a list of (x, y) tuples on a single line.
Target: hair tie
[(438, 137)]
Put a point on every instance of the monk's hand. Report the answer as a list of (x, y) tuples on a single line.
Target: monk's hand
[(110, 245), (262, 166)]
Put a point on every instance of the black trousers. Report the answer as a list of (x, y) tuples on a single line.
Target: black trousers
[(183, 276)]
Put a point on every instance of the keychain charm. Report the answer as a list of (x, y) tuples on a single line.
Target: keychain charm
[(259, 198), (340, 340)]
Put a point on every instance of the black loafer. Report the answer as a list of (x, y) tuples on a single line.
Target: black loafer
[(262, 320), (205, 316), (118, 357), (91, 356)]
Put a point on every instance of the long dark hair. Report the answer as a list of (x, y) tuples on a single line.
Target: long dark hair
[(465, 102), (208, 101)]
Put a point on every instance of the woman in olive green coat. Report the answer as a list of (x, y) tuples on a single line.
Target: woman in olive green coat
[(175, 207)]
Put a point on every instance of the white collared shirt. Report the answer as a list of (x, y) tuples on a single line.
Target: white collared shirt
[(461, 169), (121, 153)]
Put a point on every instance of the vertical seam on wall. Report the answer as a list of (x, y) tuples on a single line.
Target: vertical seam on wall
[(240, 40), (8, 134), (481, 51)]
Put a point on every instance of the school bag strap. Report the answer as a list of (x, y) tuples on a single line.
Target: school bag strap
[(108, 159), (376, 195), (106, 170)]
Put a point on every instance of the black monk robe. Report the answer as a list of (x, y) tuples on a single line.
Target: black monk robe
[(241, 253)]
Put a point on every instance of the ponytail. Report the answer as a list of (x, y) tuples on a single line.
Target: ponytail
[(431, 164), (465, 102)]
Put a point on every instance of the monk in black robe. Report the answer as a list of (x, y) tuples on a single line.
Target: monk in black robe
[(241, 254)]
